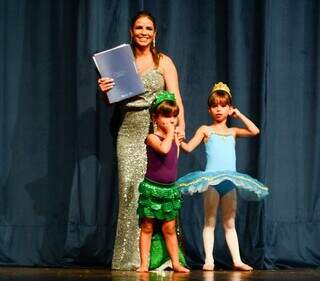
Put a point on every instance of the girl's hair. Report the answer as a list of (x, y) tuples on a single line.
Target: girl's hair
[(219, 98), (145, 14), (167, 108)]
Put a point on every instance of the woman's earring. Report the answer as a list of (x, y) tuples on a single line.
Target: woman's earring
[(154, 42)]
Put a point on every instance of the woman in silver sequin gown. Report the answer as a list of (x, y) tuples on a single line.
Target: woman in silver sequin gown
[(157, 72)]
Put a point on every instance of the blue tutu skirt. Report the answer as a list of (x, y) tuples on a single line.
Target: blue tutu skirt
[(223, 181)]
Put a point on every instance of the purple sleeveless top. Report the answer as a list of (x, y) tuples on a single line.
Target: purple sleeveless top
[(162, 168)]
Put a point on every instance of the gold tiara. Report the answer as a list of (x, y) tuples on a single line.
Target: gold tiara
[(221, 87)]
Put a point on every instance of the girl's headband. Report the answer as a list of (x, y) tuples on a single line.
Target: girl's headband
[(161, 97)]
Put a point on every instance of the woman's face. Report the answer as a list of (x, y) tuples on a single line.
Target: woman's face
[(143, 32)]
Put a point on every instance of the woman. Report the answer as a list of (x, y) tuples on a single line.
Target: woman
[(157, 72)]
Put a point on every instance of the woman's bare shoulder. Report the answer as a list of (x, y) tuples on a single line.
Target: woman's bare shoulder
[(165, 61)]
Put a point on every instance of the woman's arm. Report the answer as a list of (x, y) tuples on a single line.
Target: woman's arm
[(172, 85), (250, 130), (195, 141)]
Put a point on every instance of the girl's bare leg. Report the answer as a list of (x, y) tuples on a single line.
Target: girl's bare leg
[(211, 202), (228, 211), (170, 237), (145, 243)]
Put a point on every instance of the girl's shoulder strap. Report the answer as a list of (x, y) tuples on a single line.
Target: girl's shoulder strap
[(208, 133), (152, 135), (231, 132), (159, 137)]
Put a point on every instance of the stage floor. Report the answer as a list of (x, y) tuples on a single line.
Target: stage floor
[(93, 274)]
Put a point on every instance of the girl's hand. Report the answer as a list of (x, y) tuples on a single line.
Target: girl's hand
[(235, 113), (169, 128), (105, 84)]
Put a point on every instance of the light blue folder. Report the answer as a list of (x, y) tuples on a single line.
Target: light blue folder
[(118, 63)]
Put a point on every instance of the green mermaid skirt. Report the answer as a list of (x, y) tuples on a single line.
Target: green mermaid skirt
[(158, 201), (161, 202)]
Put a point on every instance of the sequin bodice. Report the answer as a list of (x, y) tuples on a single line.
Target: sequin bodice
[(153, 81)]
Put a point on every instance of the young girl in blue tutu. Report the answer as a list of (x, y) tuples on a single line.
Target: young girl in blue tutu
[(220, 180), (160, 199)]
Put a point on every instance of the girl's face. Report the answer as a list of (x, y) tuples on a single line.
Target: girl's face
[(220, 112), (164, 122), (143, 32)]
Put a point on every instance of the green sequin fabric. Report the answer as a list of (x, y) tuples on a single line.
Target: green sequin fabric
[(158, 201), (159, 254)]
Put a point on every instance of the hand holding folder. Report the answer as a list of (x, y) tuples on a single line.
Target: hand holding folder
[(118, 63)]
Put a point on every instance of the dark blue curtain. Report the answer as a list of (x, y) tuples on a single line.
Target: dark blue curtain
[(58, 183)]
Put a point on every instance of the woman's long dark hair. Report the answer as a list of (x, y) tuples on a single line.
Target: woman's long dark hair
[(145, 14)]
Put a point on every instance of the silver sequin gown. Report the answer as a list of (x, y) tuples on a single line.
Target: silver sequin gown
[(132, 163)]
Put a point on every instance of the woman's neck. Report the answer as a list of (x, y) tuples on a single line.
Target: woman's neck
[(142, 52)]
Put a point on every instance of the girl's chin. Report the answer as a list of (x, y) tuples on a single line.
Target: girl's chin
[(219, 120)]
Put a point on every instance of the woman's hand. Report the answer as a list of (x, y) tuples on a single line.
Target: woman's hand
[(105, 84), (180, 133), (180, 139)]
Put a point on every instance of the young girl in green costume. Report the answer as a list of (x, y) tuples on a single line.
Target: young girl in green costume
[(160, 199)]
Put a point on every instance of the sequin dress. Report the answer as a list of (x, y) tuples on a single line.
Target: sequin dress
[(220, 172), (132, 163)]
